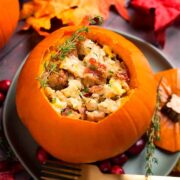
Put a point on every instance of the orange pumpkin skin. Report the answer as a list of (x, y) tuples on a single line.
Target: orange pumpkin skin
[(83, 141), (169, 131), (8, 19)]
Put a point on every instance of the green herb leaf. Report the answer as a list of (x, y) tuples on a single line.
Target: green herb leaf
[(70, 44), (86, 90), (42, 81), (52, 67), (53, 100), (92, 67), (153, 134), (69, 112), (111, 72), (96, 20), (4, 146)]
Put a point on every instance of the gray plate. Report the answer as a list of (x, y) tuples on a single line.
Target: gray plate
[(25, 147)]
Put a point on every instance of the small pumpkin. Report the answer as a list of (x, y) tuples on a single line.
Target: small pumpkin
[(169, 130), (8, 19), (75, 140)]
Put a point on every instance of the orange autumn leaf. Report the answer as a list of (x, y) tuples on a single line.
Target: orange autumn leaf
[(39, 13)]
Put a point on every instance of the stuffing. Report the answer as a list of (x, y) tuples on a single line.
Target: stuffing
[(95, 115), (75, 103), (108, 106), (73, 88), (89, 83), (58, 105), (73, 65), (91, 104), (50, 93)]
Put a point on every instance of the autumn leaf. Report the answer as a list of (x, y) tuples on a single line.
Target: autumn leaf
[(39, 13), (165, 12)]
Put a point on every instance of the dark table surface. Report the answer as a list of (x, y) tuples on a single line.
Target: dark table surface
[(21, 44)]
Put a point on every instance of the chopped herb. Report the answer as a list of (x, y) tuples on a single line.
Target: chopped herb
[(54, 56), (42, 81), (153, 134), (46, 65), (86, 90), (111, 72), (97, 20), (95, 54), (69, 112), (92, 67), (63, 110), (52, 67), (53, 100)]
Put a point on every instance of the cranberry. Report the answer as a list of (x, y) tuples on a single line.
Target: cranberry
[(119, 159), (42, 155), (2, 97), (117, 170), (4, 165), (4, 85), (6, 176), (137, 147), (16, 167), (105, 166)]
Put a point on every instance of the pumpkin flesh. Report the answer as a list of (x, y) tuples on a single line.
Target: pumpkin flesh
[(84, 141), (169, 130)]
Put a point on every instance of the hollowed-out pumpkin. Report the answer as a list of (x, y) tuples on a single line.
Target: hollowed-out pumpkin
[(169, 130), (76, 140), (8, 19)]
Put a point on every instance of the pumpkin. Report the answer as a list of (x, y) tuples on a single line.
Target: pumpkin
[(75, 140), (169, 130), (8, 19)]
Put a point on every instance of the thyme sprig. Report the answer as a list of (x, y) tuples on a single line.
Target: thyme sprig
[(42, 81), (65, 49), (5, 147), (50, 67), (70, 44), (153, 135)]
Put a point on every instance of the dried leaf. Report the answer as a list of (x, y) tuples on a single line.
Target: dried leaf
[(165, 13), (38, 13)]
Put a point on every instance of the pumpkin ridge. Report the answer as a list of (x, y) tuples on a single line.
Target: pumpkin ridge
[(8, 19), (80, 141)]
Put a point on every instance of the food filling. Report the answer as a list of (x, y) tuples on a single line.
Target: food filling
[(89, 83)]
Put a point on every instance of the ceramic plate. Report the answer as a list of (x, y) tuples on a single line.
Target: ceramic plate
[(25, 147)]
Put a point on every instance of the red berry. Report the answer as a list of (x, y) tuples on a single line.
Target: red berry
[(16, 168), (4, 165), (105, 166), (2, 98), (4, 85), (6, 176), (42, 155), (117, 170), (119, 159), (137, 147)]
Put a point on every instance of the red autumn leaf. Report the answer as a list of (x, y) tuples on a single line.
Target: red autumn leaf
[(165, 12), (39, 13)]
